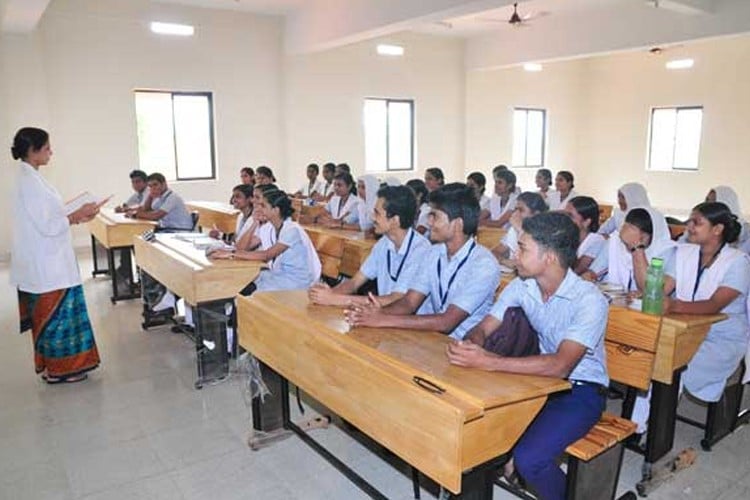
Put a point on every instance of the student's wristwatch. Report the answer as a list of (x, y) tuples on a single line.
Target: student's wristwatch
[(640, 246)]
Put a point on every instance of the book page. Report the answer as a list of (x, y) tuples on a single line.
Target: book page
[(83, 198)]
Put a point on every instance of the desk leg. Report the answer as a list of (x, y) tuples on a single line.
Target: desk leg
[(96, 270), (113, 273), (212, 357), (478, 483), (661, 421), (126, 264)]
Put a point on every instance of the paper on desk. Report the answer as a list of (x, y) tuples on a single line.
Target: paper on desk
[(83, 198)]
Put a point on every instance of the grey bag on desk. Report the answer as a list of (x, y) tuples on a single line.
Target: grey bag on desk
[(515, 338)]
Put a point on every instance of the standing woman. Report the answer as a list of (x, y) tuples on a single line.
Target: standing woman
[(564, 184), (543, 181), (629, 196), (584, 211), (44, 268)]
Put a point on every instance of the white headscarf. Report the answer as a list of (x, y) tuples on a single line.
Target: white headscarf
[(635, 196), (392, 181), (371, 197), (728, 197)]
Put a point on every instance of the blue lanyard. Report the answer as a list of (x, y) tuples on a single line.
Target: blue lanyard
[(444, 296), (700, 270), (341, 205), (400, 266)]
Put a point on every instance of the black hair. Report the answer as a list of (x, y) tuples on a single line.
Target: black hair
[(265, 187), (719, 213), (534, 201), (329, 167), (546, 175), (399, 200), (640, 218), (437, 174), (247, 170), (457, 200), (508, 176), (419, 188), (344, 167), (266, 171), (26, 140), (277, 198), (139, 174), (156, 176), (556, 232), (568, 176), (245, 189), (587, 208), (479, 179), (315, 167), (499, 168), (348, 180)]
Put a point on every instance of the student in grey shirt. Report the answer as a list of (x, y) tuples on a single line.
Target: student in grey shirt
[(570, 317), (448, 278), (165, 206), (139, 183)]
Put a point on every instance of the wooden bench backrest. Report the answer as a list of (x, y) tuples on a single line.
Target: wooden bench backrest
[(605, 212), (630, 342), (330, 250)]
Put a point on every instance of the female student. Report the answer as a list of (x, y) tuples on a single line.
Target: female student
[(543, 182), (326, 185), (313, 186), (629, 196), (264, 175), (433, 178), (585, 214), (643, 236), (423, 207), (727, 196), (708, 276), (44, 269), (367, 191), (344, 205), (528, 204), (247, 176), (503, 202), (293, 262), (242, 200), (564, 184), (477, 181)]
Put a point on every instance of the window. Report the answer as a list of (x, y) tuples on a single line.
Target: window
[(529, 127), (175, 134), (675, 138), (389, 134)]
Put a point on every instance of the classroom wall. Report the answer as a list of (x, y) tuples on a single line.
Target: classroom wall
[(324, 98), (599, 111), (75, 75)]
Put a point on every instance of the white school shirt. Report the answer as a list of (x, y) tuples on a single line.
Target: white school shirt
[(42, 257), (556, 202), (349, 212), (243, 225), (317, 188), (484, 203), (591, 246), (496, 210)]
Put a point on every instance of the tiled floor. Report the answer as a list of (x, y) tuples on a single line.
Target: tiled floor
[(138, 430)]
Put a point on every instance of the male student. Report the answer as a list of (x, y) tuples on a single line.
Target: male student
[(457, 278), (139, 183), (165, 206), (570, 316), (393, 260)]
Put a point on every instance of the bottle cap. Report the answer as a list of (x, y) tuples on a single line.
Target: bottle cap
[(657, 262)]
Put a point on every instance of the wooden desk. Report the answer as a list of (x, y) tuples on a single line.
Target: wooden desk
[(207, 285), (114, 231), (340, 251), (302, 209), (489, 237), (367, 375), (213, 213)]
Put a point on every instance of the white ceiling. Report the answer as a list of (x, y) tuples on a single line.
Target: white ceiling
[(278, 7)]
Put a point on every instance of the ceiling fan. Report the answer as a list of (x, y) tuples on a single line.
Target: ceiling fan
[(516, 20)]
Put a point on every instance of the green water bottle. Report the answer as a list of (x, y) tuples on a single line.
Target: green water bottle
[(653, 294)]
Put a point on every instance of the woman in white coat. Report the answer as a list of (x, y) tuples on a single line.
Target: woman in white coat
[(44, 269)]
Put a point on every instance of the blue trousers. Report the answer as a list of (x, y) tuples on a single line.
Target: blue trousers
[(564, 419)]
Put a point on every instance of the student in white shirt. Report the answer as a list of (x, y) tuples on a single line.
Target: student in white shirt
[(585, 214), (242, 200), (727, 196), (629, 196), (261, 235), (433, 178), (264, 175), (44, 270), (164, 206), (343, 208), (503, 202), (367, 191), (247, 176), (564, 184), (477, 181), (393, 260), (447, 279), (313, 186), (326, 185), (543, 181), (421, 223), (528, 204), (139, 183)]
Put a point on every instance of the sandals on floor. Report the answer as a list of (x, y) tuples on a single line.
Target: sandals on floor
[(65, 380)]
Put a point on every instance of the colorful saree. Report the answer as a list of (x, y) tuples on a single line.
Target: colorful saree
[(64, 344)]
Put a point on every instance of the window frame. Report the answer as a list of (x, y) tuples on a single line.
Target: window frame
[(649, 152), (211, 130), (388, 102), (526, 141)]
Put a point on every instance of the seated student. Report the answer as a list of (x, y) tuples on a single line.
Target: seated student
[(570, 317), (708, 277), (528, 204), (543, 181), (433, 179), (294, 263), (264, 175), (727, 196), (503, 201), (313, 186), (247, 176), (564, 184), (643, 236), (344, 205), (165, 206), (393, 260), (421, 223), (629, 196), (139, 183), (477, 181), (343, 168), (262, 235), (584, 211), (367, 191), (242, 200), (447, 278)]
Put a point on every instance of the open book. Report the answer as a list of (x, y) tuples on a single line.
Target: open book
[(83, 198)]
